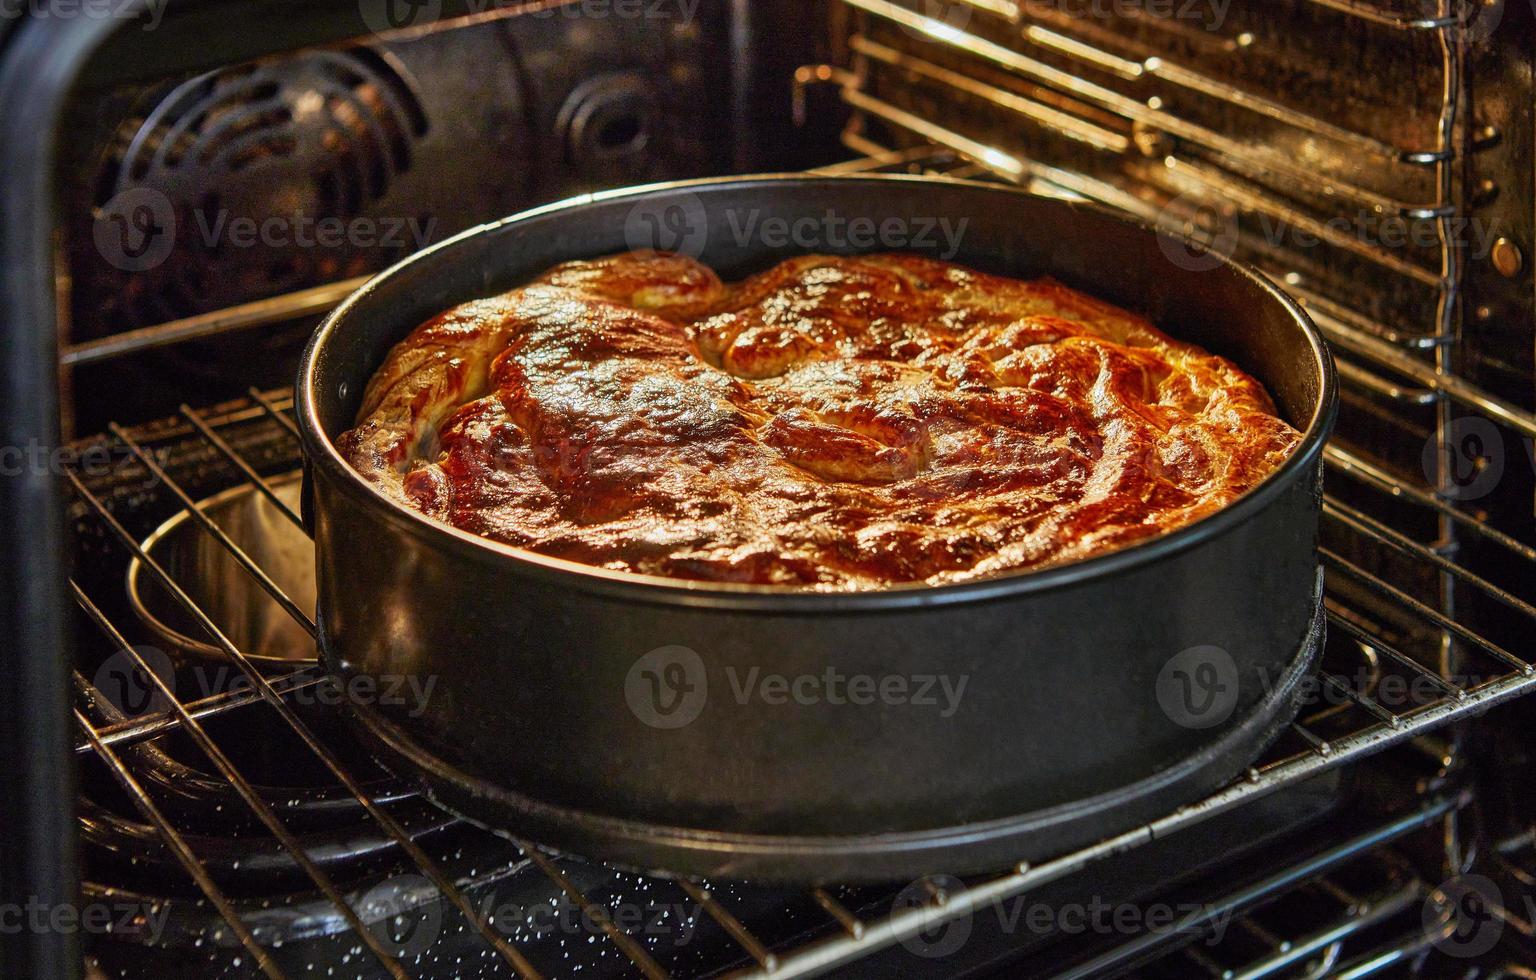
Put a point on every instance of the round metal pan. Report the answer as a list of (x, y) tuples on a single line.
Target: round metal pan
[(219, 584), (631, 718)]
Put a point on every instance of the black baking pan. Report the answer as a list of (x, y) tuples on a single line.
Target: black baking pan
[(603, 712)]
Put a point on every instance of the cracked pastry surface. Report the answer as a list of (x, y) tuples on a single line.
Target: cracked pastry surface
[(833, 423)]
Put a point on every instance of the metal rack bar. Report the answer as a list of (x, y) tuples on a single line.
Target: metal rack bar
[(1401, 543), (1044, 115), (731, 925), (828, 953), (210, 527), (1387, 18), (305, 302), (1323, 308), (1217, 88), (839, 912), (238, 461), (1433, 616), (245, 790), (1445, 687), (274, 412), (317, 746), (1134, 109), (1430, 376), (178, 847), (153, 723), (636, 953), (1252, 200), (1363, 470)]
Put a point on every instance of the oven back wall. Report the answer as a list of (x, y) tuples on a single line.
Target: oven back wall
[(196, 191)]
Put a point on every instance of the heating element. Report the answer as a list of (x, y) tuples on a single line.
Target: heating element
[(183, 812)]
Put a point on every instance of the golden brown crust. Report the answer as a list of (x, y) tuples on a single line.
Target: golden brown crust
[(833, 423)]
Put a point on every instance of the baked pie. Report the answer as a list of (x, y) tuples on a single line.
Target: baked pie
[(832, 423)]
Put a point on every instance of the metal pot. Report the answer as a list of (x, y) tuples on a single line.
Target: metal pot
[(632, 718)]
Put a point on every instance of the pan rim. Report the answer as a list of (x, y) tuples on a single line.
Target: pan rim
[(321, 453)]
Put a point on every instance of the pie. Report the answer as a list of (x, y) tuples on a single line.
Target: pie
[(832, 423)]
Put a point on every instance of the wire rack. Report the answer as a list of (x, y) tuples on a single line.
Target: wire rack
[(1358, 721)]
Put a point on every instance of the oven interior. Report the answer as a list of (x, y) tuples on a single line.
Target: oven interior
[(1374, 156)]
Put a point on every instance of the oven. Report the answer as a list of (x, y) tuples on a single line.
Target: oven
[(191, 186)]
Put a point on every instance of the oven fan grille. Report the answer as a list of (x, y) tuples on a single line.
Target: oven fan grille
[(320, 134)]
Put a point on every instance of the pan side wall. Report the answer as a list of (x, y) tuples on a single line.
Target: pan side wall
[(978, 710)]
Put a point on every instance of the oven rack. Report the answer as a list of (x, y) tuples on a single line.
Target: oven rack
[(1362, 726), (1198, 165), (1395, 901), (1357, 339)]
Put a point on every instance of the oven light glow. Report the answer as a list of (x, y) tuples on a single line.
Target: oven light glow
[(942, 31), (997, 158)]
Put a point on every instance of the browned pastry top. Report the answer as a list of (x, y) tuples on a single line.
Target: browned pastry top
[(832, 423)]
